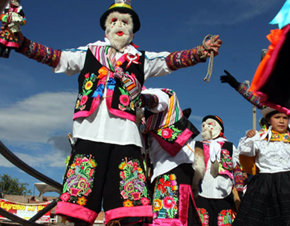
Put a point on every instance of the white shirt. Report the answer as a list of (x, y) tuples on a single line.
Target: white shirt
[(161, 160), (221, 186), (101, 126), (271, 157)]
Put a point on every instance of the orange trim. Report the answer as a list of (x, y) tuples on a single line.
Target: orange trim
[(258, 80)]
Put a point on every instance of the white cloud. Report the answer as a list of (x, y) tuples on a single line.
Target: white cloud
[(237, 11), (32, 125), (5, 163), (37, 118)]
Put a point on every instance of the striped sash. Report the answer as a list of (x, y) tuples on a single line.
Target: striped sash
[(132, 85), (105, 55), (165, 118)]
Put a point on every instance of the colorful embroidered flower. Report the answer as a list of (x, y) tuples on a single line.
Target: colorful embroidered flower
[(223, 212), (122, 175), (136, 195), (83, 184), (88, 85), (130, 163), (74, 191), (122, 165), (103, 71), (135, 166), (145, 201), (118, 63), (65, 197), (78, 161), (201, 210), (225, 152), (163, 184), (93, 163), (88, 192), (87, 75), (166, 133), (99, 91), (84, 160), (84, 99), (127, 203), (111, 84), (172, 177), (70, 172), (168, 202), (157, 204), (124, 100), (124, 195), (142, 177), (174, 188), (173, 183), (82, 201), (129, 187)]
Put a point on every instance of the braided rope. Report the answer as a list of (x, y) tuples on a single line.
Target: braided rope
[(210, 62)]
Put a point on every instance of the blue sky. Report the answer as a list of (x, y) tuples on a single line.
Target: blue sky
[(36, 105)]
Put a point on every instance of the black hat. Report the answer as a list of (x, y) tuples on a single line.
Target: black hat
[(186, 112), (121, 6), (216, 118)]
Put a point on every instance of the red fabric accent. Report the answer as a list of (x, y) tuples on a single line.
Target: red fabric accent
[(184, 198), (183, 203), (134, 45), (174, 148), (136, 211), (206, 154), (119, 113), (185, 194), (163, 222), (75, 211)]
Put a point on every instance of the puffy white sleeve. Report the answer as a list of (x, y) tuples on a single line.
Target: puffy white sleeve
[(155, 64), (71, 61), (163, 99), (248, 146), (235, 158)]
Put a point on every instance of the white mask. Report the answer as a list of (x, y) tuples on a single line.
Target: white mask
[(211, 129), (119, 30)]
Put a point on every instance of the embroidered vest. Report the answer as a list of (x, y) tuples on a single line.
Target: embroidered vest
[(123, 79), (226, 163), (170, 128)]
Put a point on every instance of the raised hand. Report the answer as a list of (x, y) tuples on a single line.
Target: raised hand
[(228, 78)]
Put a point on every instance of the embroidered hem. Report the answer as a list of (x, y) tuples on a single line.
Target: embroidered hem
[(121, 212), (75, 211)]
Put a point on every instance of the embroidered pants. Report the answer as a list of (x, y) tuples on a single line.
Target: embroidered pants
[(216, 212), (104, 175), (173, 202)]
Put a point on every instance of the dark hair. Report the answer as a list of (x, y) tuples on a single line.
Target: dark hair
[(265, 121), (269, 115)]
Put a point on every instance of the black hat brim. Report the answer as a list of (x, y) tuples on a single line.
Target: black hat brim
[(186, 112), (136, 21)]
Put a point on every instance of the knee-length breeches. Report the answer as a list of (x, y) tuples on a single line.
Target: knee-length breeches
[(107, 176)]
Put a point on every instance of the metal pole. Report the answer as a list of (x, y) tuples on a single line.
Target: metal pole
[(254, 117)]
